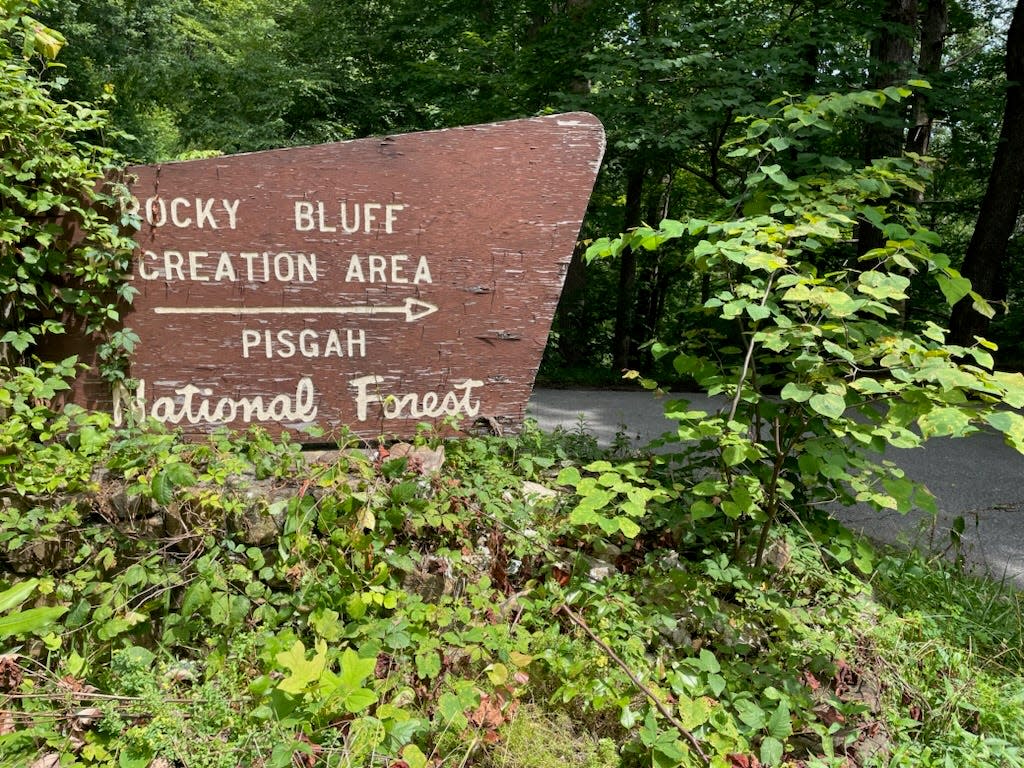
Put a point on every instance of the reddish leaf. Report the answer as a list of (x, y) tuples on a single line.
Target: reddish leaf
[(744, 761), (829, 714), (10, 673), (808, 679), (488, 714)]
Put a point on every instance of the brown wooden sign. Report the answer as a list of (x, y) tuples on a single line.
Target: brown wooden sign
[(376, 284)]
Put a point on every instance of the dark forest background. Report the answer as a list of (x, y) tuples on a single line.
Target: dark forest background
[(667, 79)]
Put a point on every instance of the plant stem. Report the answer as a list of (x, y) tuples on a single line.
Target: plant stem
[(749, 355), (579, 622)]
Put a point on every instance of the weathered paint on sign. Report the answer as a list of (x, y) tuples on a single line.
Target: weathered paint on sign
[(375, 284)]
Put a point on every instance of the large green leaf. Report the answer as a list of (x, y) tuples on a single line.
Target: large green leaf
[(953, 286), (16, 595), (29, 621), (829, 405), (169, 477)]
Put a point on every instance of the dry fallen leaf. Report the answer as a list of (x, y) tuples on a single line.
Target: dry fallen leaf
[(6, 722), (49, 760), (83, 718), (10, 673)]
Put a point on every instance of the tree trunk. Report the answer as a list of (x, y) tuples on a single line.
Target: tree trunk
[(929, 63), (984, 264), (892, 51), (647, 315), (573, 334), (626, 300)]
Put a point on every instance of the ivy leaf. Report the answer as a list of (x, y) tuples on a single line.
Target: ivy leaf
[(20, 340)]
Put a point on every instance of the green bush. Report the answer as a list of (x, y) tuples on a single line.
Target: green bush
[(64, 251), (825, 372)]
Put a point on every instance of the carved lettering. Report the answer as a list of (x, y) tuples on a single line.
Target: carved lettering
[(187, 212), (375, 268), (248, 266), (199, 405), (350, 217), (456, 402)]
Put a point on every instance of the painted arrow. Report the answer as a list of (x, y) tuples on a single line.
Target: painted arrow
[(413, 309)]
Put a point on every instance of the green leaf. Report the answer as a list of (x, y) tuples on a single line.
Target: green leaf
[(953, 286), (798, 393), (569, 476), (944, 421), (414, 756), (627, 527), (359, 699), (701, 510), (981, 305), (451, 709), (693, 713), (733, 455), (771, 751), (355, 669), (750, 714), (16, 595), (303, 671), (982, 358), (428, 664), (829, 405), (706, 662), (134, 756), (29, 621), (883, 285), (779, 725), (1011, 425), (169, 477)]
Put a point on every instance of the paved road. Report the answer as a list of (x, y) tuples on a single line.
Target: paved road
[(978, 478)]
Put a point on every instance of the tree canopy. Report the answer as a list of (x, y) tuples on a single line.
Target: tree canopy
[(668, 79)]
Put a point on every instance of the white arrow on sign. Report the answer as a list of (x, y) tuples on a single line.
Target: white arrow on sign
[(413, 309)]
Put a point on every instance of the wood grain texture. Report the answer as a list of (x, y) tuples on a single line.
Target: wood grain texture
[(374, 284)]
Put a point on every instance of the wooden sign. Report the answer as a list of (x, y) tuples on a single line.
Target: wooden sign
[(374, 284)]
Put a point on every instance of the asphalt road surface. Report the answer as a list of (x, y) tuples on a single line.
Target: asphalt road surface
[(978, 478)]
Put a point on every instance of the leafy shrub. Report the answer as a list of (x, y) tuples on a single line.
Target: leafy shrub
[(63, 248), (824, 373)]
